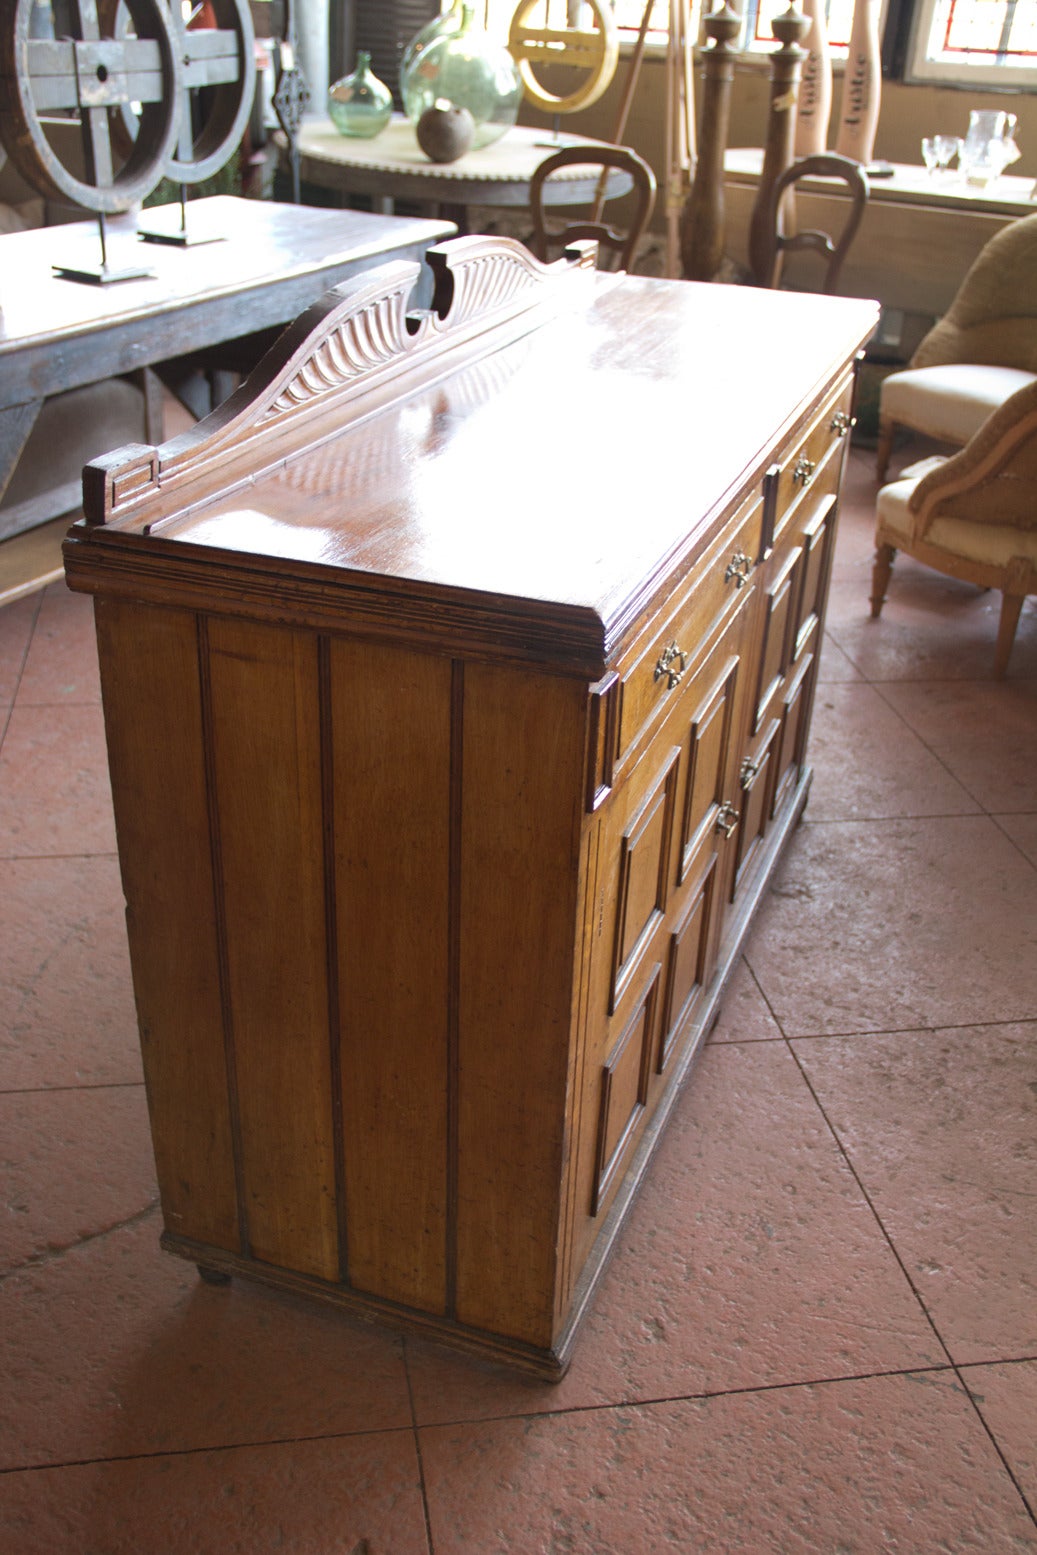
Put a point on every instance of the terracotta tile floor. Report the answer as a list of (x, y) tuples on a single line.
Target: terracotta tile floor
[(819, 1332)]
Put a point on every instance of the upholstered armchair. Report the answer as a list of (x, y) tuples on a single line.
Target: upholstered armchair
[(981, 351), (972, 516)]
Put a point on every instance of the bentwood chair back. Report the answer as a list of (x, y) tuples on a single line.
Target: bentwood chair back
[(617, 246)]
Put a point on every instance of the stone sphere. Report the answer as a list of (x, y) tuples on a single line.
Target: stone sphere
[(445, 132)]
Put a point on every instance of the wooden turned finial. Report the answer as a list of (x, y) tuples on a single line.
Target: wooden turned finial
[(722, 27), (786, 64), (702, 219), (789, 27)]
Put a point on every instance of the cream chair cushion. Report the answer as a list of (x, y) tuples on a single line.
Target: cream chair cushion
[(993, 545), (951, 401)]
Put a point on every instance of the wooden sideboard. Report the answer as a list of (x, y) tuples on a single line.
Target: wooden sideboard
[(457, 679)]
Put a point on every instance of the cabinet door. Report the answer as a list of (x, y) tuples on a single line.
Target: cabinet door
[(662, 858), (707, 819), (793, 591), (816, 542)]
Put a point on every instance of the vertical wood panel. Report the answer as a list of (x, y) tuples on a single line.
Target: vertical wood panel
[(522, 798), (265, 703), (391, 720), (149, 680)]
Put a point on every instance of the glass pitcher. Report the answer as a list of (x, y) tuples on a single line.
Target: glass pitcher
[(989, 146)]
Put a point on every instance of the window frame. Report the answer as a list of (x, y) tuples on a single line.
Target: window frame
[(920, 70)]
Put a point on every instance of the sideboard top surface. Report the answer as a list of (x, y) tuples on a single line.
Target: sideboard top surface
[(573, 467)]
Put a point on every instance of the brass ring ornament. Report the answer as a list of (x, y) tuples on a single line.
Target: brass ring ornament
[(841, 423), (727, 819), (803, 471), (222, 59), (672, 663), (596, 50), (738, 569), (87, 79)]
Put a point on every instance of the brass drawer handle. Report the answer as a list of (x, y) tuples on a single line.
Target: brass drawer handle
[(803, 470), (738, 570), (671, 663), (747, 771), (727, 819), (841, 423)]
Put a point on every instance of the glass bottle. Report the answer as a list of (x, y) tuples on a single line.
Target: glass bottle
[(360, 104), (468, 69), (444, 25)]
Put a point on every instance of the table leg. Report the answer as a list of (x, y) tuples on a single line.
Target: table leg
[(16, 422)]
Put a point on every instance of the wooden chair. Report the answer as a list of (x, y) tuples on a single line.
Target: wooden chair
[(775, 243), (982, 350), (545, 239), (972, 516)]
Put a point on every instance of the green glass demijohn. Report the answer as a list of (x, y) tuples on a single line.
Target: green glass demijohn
[(445, 24), (468, 69), (360, 104)]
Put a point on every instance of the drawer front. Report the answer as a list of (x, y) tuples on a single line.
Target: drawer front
[(815, 459), (667, 652)]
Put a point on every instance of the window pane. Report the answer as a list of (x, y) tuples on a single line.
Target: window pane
[(983, 32)]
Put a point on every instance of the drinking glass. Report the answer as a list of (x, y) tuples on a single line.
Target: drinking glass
[(939, 151)]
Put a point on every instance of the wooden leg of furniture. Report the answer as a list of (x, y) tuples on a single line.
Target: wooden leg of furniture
[(213, 1276), (884, 555), (1011, 605), (887, 427)]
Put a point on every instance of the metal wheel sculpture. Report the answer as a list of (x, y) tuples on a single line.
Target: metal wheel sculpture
[(85, 80), (217, 63)]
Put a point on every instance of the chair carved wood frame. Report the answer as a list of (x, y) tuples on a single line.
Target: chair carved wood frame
[(613, 242), (973, 516), (775, 244)]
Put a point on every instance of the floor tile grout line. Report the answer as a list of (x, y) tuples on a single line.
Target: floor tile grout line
[(1032, 1510), (163, 1454), (932, 750), (709, 1395), (886, 820), (58, 858), (867, 1031), (917, 1294), (902, 1031), (52, 1254), (416, 1434), (852, 1169), (21, 668), (1008, 836), (868, 1200), (65, 1090), (656, 1401)]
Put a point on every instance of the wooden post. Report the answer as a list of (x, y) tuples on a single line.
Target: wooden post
[(702, 219), (680, 123), (786, 63)]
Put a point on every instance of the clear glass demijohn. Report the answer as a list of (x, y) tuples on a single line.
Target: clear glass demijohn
[(468, 69)]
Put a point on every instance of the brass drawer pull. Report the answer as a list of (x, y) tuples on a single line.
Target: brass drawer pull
[(727, 819), (747, 771), (803, 470), (841, 423), (672, 663), (738, 569)]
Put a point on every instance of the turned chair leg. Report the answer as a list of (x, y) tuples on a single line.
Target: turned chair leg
[(884, 555), (887, 426), (1011, 606)]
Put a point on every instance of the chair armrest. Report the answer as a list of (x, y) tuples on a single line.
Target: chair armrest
[(993, 479)]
